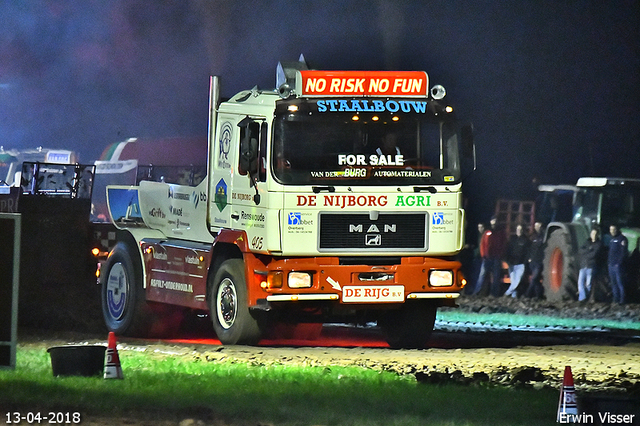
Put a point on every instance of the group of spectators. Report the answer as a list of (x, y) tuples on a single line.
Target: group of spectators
[(524, 255)]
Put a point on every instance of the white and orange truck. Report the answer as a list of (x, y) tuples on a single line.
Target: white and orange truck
[(335, 197)]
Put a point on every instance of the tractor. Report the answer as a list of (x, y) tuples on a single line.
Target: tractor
[(597, 202)]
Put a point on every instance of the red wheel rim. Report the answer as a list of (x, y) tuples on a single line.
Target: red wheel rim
[(557, 263)]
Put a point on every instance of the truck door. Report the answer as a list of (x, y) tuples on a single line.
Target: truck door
[(248, 194), (239, 197)]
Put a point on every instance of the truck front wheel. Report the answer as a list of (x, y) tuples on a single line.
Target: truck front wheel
[(410, 326), (228, 305), (124, 307)]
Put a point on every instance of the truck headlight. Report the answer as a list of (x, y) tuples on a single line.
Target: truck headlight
[(299, 280), (439, 278)]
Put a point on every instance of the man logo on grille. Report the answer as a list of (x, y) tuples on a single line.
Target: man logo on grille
[(373, 228), (373, 240), (438, 219)]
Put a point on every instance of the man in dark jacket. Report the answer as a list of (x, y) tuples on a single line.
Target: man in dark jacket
[(536, 259), (618, 250), (590, 253), (517, 256)]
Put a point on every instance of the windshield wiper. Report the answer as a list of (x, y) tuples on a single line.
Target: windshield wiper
[(317, 189), (431, 189)]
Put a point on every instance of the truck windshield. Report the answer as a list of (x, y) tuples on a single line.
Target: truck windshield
[(359, 142)]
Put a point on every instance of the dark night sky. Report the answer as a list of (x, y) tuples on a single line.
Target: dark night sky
[(552, 87)]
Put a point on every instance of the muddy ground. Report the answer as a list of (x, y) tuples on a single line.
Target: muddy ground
[(597, 363), (600, 366)]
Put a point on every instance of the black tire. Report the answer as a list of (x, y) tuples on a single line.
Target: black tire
[(124, 307), (560, 272), (228, 306), (410, 326)]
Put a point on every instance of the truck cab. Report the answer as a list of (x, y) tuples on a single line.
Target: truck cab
[(335, 197)]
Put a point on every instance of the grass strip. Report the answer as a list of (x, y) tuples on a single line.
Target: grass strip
[(515, 320), (158, 386)]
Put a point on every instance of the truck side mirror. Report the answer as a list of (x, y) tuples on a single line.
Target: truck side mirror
[(466, 136)]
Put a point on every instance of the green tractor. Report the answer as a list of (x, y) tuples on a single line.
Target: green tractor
[(601, 202)]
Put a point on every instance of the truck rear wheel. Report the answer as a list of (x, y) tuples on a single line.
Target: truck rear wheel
[(228, 305), (560, 273), (410, 326), (124, 307)]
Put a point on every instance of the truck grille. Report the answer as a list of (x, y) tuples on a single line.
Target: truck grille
[(394, 231)]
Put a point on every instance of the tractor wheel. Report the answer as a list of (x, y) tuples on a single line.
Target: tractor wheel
[(124, 307), (410, 326), (228, 306), (560, 273)]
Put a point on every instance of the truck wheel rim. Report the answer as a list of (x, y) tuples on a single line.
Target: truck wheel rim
[(557, 264), (116, 291), (226, 303)]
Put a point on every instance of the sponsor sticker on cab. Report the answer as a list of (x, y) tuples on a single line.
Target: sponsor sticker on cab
[(373, 293)]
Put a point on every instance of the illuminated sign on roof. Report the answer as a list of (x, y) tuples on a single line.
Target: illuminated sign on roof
[(362, 83)]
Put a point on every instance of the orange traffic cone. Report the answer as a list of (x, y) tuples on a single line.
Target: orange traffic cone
[(568, 405), (112, 368)]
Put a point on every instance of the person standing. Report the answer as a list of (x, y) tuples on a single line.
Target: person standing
[(492, 246), (618, 250), (476, 260), (485, 262), (536, 259), (589, 256), (517, 256)]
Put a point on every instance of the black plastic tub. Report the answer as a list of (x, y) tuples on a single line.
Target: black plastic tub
[(77, 360)]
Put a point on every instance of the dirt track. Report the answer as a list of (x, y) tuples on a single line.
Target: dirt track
[(595, 366), (601, 368), (506, 358), (501, 358)]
